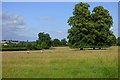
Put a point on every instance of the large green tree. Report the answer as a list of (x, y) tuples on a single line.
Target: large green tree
[(44, 41), (90, 29), (104, 37), (79, 23)]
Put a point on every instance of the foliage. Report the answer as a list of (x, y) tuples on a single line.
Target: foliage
[(19, 44), (118, 41), (44, 45), (44, 41), (63, 42), (90, 29), (22, 45), (14, 48), (31, 45), (56, 42), (102, 23)]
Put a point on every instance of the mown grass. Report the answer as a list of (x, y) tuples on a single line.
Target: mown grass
[(61, 62)]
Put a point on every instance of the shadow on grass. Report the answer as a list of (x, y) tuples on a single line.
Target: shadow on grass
[(84, 49), (52, 48)]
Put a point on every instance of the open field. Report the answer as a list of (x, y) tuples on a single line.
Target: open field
[(61, 62)]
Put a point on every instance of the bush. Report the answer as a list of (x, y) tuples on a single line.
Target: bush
[(31, 46)]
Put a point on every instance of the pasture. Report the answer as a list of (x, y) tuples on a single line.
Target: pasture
[(61, 62)]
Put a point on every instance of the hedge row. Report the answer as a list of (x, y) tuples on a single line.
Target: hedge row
[(14, 49)]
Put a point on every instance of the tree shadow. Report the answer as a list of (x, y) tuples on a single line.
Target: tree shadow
[(95, 49), (52, 48)]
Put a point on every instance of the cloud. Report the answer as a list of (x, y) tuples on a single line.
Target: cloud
[(12, 25), (12, 21)]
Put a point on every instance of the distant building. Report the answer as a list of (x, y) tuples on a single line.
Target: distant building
[(5, 44), (9, 41)]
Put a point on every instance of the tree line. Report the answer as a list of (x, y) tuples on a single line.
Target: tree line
[(44, 42)]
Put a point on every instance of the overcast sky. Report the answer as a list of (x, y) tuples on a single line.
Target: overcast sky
[(24, 20)]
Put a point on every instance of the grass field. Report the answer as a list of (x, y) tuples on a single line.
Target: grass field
[(61, 62)]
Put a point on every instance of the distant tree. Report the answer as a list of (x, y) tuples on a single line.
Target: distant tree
[(29, 46), (56, 42), (33, 45), (44, 41), (22, 44), (44, 45), (63, 42), (118, 41), (90, 29)]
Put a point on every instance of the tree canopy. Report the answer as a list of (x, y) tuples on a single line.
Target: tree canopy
[(56, 42), (90, 29), (63, 42), (44, 41), (118, 41)]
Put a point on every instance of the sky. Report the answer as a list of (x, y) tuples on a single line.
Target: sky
[(24, 20)]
